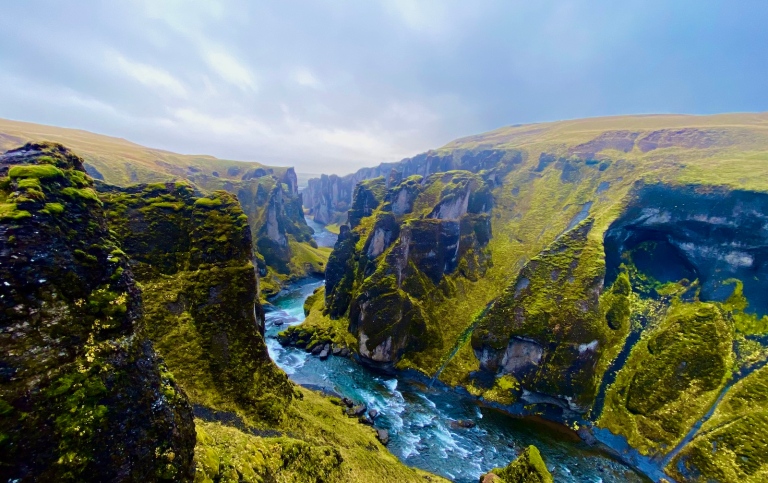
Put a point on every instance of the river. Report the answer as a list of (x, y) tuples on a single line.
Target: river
[(419, 418)]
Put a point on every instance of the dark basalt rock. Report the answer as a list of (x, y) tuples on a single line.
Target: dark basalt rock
[(383, 436), (356, 411), (687, 233), (462, 423), (323, 355), (546, 331), (339, 273), (84, 394)]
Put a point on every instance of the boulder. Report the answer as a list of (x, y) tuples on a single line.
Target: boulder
[(383, 436), (325, 352), (356, 411), (462, 423)]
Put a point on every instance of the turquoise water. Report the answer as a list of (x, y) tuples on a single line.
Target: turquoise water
[(419, 418)]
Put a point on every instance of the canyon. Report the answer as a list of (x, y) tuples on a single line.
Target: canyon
[(606, 276)]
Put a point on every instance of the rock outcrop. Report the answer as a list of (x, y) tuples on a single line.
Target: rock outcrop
[(329, 197), (84, 396), (82, 392), (192, 253), (388, 262), (529, 467)]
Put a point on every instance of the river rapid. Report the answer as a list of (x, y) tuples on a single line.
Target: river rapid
[(418, 417)]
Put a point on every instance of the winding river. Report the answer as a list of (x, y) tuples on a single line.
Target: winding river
[(419, 418)]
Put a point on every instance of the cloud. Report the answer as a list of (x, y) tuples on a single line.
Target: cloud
[(229, 68), (304, 77), (338, 84), (152, 77)]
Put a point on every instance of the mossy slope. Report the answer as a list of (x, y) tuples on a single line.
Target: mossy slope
[(192, 255), (82, 391)]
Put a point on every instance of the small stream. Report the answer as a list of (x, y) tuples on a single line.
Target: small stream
[(419, 417)]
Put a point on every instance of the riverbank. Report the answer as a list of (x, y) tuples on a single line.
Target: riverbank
[(419, 417)]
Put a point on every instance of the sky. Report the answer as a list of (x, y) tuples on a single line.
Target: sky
[(332, 86)]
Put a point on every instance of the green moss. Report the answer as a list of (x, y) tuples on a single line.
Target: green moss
[(29, 183), (671, 377), (505, 390), (731, 445), (83, 194), (45, 171), (10, 212), (529, 467), (211, 202), (315, 442), (745, 323), (318, 327), (53, 208), (333, 228)]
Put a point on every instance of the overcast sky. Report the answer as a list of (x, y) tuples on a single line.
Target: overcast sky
[(331, 86)]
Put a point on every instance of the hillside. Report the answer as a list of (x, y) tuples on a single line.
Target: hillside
[(608, 273), (269, 195), (722, 138)]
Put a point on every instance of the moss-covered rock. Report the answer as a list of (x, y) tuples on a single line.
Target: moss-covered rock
[(399, 251), (671, 378), (193, 256), (529, 467), (83, 392), (551, 327)]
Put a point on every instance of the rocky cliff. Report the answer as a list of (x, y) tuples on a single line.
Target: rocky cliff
[(82, 392), (96, 286), (268, 194), (608, 273), (329, 197)]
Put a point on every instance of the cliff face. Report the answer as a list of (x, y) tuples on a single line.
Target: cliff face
[(329, 197), (268, 194), (614, 276), (402, 244), (281, 237), (82, 391), (192, 253)]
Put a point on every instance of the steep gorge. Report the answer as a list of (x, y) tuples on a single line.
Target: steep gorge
[(633, 247), (133, 344)]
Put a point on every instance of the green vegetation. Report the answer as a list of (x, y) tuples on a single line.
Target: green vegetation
[(45, 171), (333, 228), (318, 328), (315, 442), (88, 391), (671, 378), (199, 291), (731, 445), (529, 467), (123, 163)]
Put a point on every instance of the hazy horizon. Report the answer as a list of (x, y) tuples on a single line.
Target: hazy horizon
[(334, 86)]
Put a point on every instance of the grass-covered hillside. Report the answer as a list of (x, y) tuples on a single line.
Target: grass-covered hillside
[(622, 278), (268, 194)]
